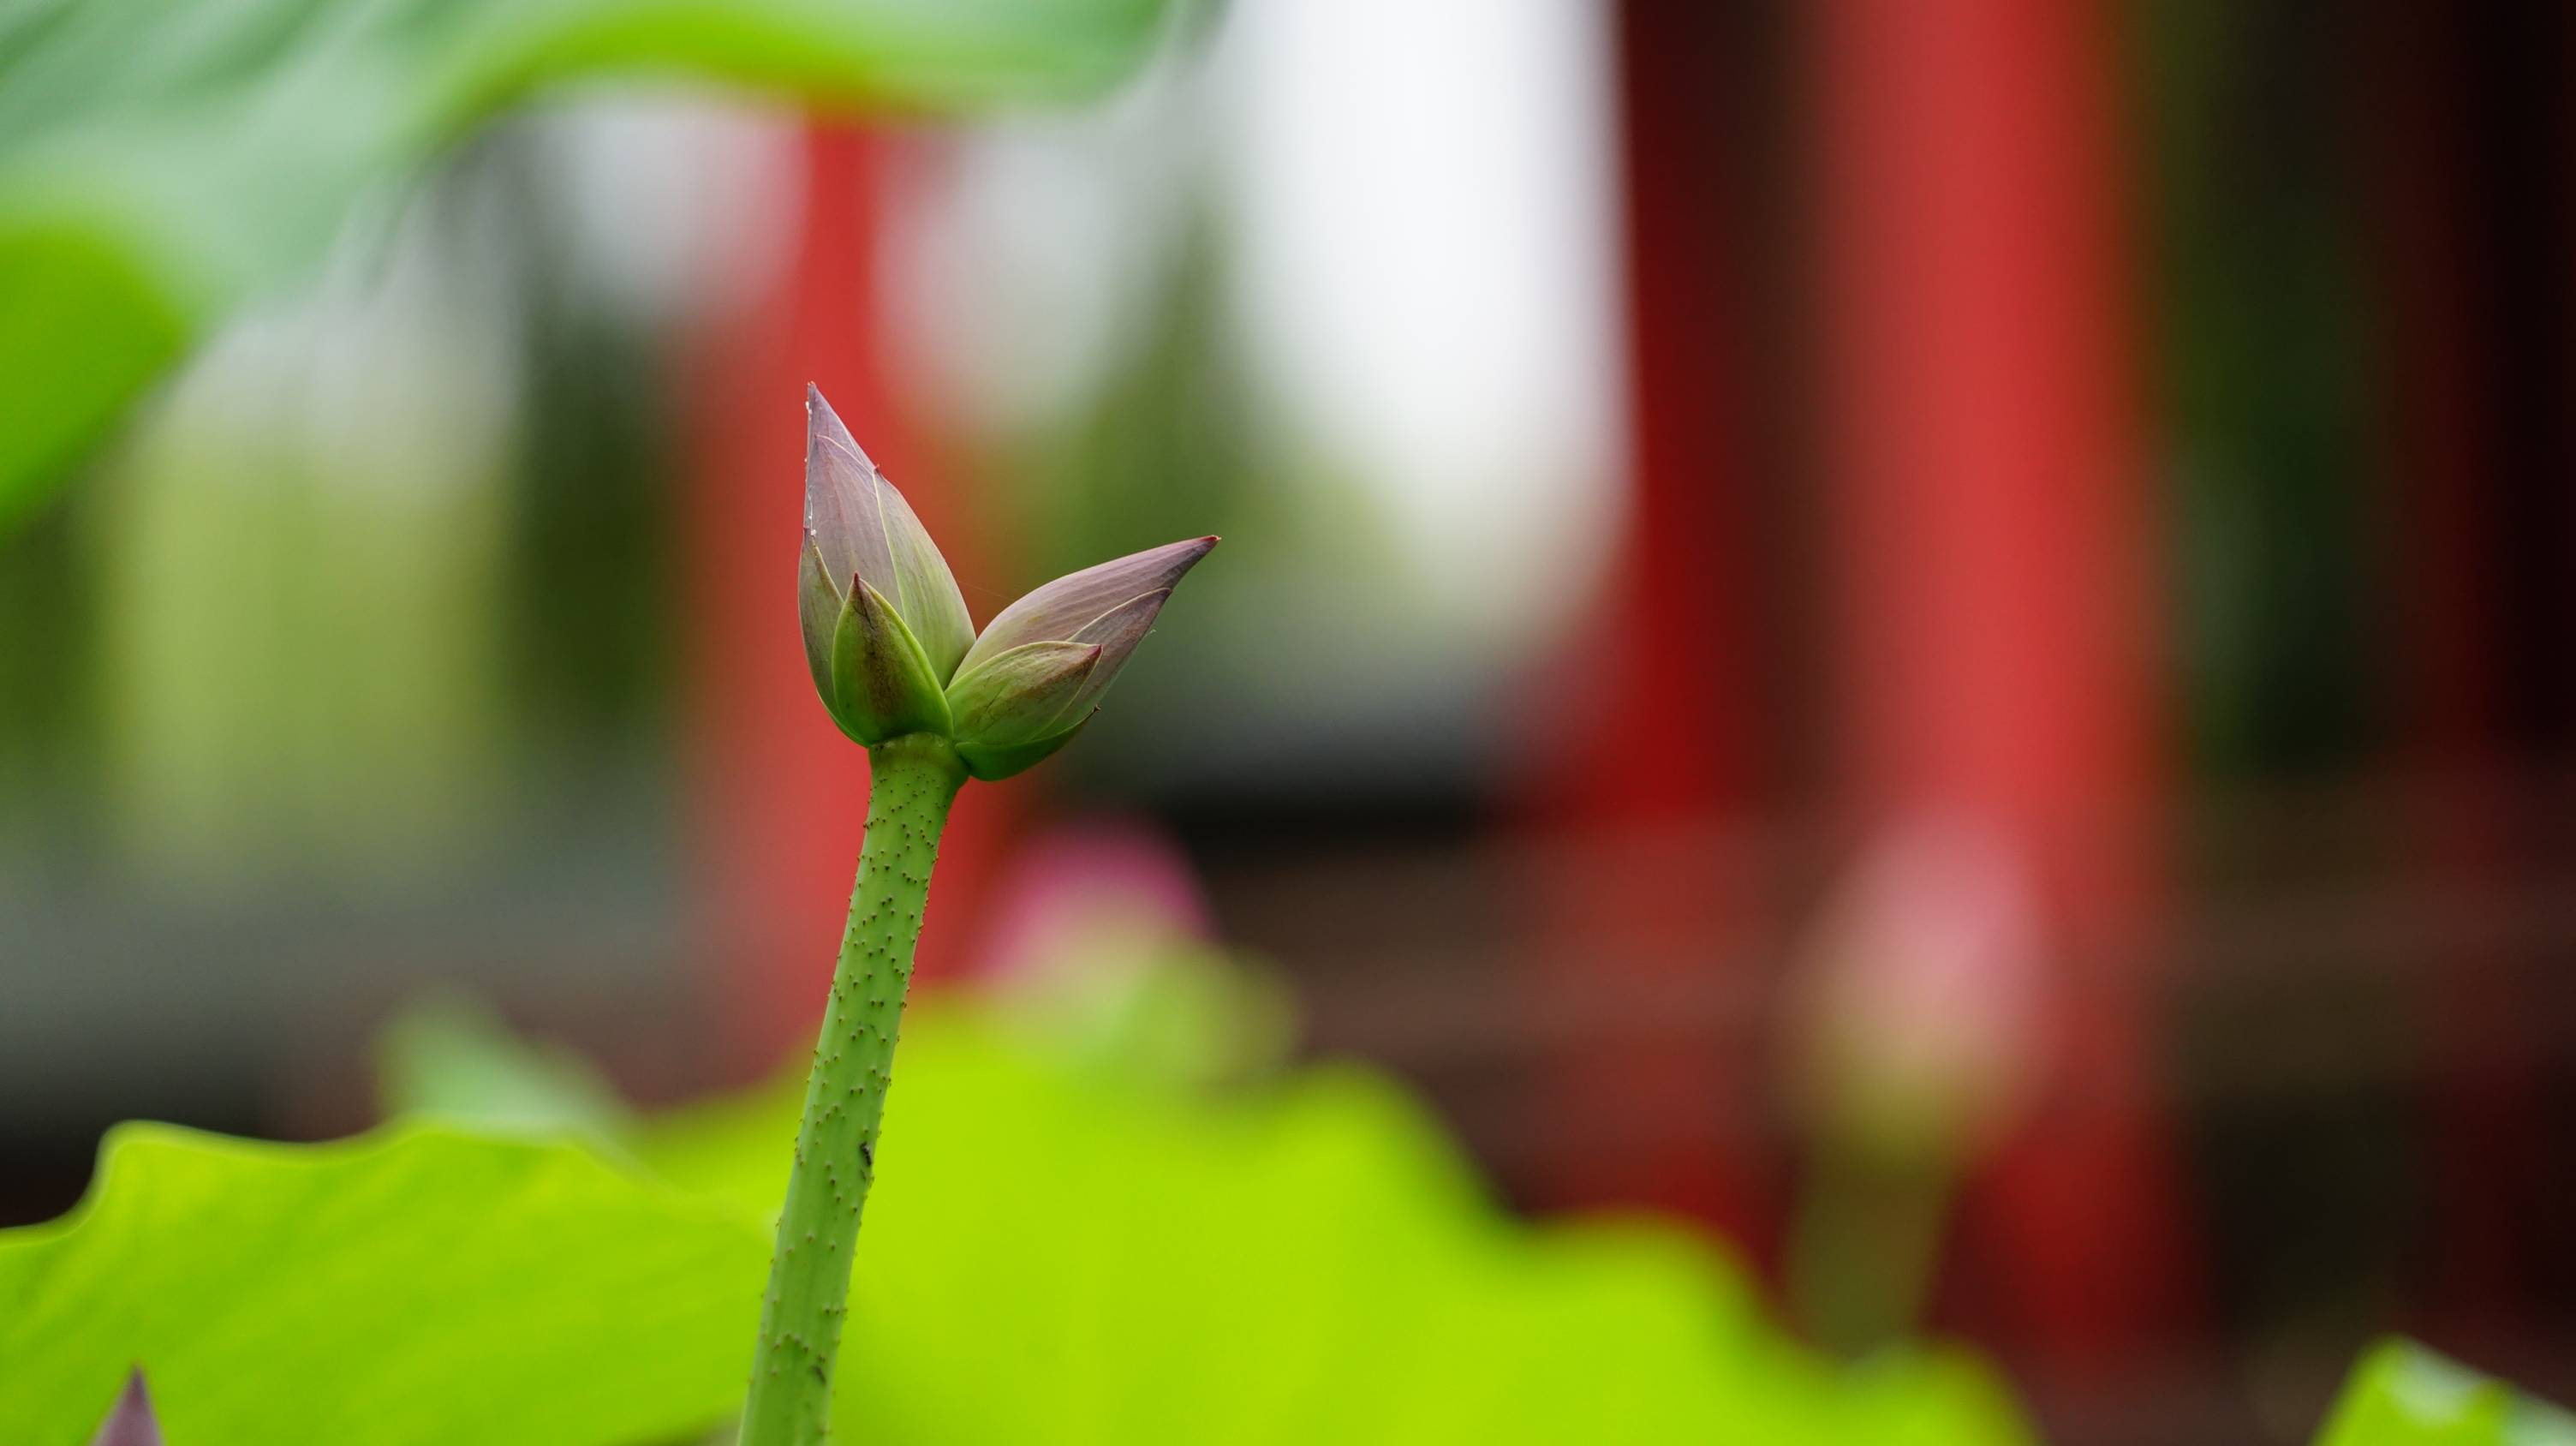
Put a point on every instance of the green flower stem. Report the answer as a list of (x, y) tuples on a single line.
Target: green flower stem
[(1864, 1242), (912, 780)]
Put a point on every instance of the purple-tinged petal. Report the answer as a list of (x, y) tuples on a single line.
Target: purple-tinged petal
[(1116, 633), (1023, 694), (925, 592), (1061, 610), (130, 1422), (1120, 628), (841, 512), (864, 528)]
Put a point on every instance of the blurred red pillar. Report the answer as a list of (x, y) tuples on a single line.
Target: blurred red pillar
[(1641, 1115), (1991, 526), (779, 795)]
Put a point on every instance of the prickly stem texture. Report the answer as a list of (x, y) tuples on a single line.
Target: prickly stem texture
[(912, 780)]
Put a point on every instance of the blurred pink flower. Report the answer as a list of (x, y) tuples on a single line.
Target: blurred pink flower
[(1074, 889), (1918, 999)]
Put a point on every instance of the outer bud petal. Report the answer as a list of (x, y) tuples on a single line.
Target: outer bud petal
[(881, 685), (990, 761), (1026, 693), (1064, 609), (1116, 633)]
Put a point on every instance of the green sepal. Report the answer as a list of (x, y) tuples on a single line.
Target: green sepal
[(882, 685), (1000, 760), (1022, 694)]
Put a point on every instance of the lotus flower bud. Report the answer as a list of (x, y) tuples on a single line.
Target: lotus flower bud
[(891, 647), (130, 1422), (884, 623), (1033, 678), (1924, 993)]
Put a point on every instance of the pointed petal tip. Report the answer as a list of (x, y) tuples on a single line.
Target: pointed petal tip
[(131, 1421), (1174, 559), (824, 425)]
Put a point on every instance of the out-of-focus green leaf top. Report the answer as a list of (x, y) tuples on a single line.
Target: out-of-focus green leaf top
[(448, 1058), (161, 161), (2402, 1394), (1068, 1253), (1071, 1252)]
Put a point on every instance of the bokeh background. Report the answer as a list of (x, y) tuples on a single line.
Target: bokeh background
[(1933, 637)]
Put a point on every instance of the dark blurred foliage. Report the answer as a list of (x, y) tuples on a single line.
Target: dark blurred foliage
[(2260, 320), (594, 600)]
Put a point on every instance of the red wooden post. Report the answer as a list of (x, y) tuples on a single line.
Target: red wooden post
[(779, 793), (1993, 526), (1666, 734)]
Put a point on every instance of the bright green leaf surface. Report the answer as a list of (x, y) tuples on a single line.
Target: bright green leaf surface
[(162, 161), (2404, 1395), (418, 1285), (1063, 1252), (1059, 1252)]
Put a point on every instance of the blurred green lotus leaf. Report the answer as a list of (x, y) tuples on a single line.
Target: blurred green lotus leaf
[(417, 1285), (450, 1058), (162, 161), (1077, 1250), (2402, 1394), (1071, 1252)]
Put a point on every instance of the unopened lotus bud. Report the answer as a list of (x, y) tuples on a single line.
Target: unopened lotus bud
[(884, 623), (130, 1422), (893, 652), (1035, 675), (1923, 994), (895, 659)]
